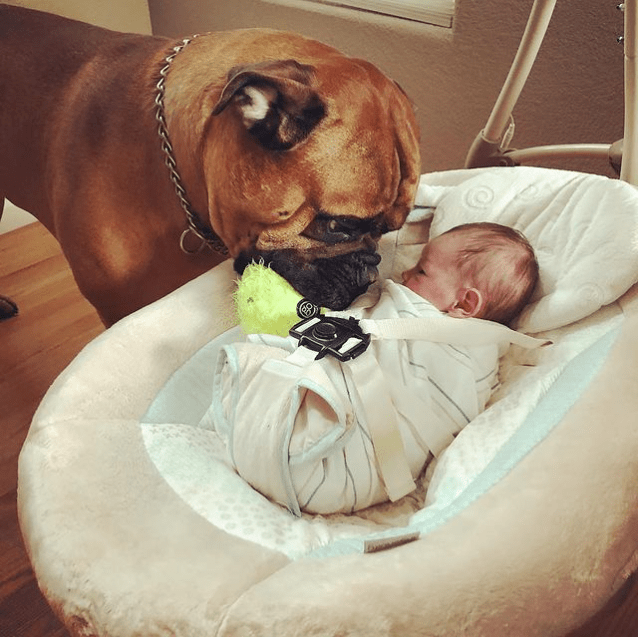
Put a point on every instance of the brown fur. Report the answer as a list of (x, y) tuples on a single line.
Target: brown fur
[(79, 149)]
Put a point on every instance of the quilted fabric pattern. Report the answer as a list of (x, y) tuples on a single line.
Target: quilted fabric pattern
[(584, 229)]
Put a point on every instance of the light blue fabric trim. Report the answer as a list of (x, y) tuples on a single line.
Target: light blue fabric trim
[(296, 392), (187, 394), (551, 409), (284, 466), (227, 355)]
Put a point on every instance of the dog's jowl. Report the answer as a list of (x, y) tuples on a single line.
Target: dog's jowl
[(136, 151)]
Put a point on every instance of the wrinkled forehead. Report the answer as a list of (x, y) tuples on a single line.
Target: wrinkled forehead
[(336, 74), (359, 97), (353, 153), (357, 177), (371, 128)]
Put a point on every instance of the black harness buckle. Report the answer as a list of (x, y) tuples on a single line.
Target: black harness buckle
[(341, 338)]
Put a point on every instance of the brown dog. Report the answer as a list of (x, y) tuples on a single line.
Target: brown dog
[(286, 149)]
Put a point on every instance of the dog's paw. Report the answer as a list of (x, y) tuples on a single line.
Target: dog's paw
[(8, 308)]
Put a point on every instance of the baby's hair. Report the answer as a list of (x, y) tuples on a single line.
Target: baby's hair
[(501, 264)]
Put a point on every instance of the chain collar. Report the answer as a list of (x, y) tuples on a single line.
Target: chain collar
[(207, 236)]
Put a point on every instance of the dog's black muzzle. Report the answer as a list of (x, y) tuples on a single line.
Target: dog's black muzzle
[(331, 282)]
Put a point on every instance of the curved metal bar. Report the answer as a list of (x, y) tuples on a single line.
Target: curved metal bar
[(560, 151), (537, 23), (488, 141), (629, 167)]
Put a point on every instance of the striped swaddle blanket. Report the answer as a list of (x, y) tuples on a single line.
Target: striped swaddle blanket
[(298, 432)]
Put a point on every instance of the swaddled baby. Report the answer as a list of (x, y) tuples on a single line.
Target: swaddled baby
[(326, 436)]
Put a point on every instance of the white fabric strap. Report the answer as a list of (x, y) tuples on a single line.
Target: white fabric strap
[(447, 329), (382, 425), (380, 412), (380, 417)]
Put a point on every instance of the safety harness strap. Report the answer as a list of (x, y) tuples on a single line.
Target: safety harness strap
[(368, 379), (441, 328), (383, 427)]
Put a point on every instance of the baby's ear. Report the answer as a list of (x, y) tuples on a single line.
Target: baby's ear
[(469, 303)]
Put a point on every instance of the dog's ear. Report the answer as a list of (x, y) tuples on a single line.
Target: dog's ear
[(276, 100)]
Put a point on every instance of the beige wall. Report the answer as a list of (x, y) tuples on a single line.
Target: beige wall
[(120, 15), (574, 93)]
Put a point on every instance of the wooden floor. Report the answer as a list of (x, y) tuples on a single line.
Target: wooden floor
[(55, 322)]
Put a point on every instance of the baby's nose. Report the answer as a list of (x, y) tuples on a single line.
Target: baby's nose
[(405, 275)]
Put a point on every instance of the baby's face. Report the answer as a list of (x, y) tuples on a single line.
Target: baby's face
[(436, 275)]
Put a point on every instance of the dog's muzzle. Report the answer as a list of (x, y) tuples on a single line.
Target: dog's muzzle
[(331, 282)]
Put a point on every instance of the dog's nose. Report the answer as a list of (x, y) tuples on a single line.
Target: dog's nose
[(370, 258)]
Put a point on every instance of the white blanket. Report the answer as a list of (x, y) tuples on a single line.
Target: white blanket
[(155, 533), (301, 432), (557, 210), (583, 228)]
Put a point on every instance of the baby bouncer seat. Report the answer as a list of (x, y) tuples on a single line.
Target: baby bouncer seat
[(136, 523)]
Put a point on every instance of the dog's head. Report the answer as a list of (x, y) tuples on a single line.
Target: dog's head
[(312, 159)]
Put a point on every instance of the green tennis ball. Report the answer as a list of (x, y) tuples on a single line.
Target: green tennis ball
[(266, 302)]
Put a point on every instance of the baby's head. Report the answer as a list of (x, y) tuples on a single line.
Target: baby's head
[(484, 270)]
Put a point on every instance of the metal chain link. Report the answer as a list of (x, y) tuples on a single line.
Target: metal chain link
[(195, 225)]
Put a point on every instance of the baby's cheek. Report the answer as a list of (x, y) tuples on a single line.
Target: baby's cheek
[(407, 276), (411, 283)]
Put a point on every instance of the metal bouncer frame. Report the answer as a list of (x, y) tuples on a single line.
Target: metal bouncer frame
[(491, 146)]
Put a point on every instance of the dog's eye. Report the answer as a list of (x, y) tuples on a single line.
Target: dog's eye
[(334, 229)]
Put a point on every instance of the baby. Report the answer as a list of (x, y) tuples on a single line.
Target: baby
[(310, 434), (484, 270)]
